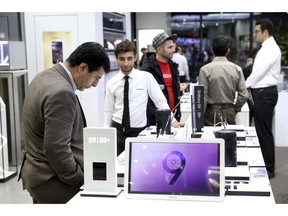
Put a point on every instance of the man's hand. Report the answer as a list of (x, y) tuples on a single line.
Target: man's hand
[(183, 86), (177, 124)]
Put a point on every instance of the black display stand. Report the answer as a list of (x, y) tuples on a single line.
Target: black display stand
[(197, 109)]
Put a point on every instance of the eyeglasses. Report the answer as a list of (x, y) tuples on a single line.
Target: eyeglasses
[(257, 31)]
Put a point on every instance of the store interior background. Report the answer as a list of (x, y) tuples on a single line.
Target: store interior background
[(195, 32)]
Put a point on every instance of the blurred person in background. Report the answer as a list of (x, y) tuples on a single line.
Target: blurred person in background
[(144, 50), (203, 59), (183, 69)]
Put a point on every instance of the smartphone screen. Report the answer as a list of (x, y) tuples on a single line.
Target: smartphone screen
[(57, 51), (99, 171)]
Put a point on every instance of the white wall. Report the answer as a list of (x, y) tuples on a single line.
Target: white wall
[(83, 27), (280, 130), (148, 26)]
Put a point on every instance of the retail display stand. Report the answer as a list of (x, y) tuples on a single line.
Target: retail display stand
[(5, 174), (13, 88), (197, 109), (100, 160)]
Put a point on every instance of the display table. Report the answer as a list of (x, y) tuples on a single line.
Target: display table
[(125, 207), (280, 120), (248, 153), (13, 86), (242, 118)]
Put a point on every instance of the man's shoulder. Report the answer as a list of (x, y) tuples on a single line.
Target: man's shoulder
[(145, 73), (149, 64), (114, 78), (238, 67), (208, 65)]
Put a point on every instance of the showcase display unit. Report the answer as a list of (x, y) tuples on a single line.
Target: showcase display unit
[(5, 172), (13, 87), (245, 185)]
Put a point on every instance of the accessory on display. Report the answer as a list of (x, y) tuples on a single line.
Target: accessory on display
[(163, 121), (229, 137)]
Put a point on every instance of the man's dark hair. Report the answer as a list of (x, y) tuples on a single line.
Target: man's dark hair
[(125, 46), (220, 45), (176, 49), (91, 53), (143, 49), (266, 24)]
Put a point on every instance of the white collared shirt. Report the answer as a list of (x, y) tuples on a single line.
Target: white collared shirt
[(182, 65), (141, 85), (70, 75), (267, 66)]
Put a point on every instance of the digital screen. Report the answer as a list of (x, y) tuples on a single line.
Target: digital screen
[(4, 53), (57, 51), (174, 168), (99, 171)]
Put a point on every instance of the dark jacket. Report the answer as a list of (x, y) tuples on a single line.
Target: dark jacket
[(150, 65)]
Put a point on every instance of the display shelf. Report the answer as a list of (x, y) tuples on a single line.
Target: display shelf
[(13, 86), (5, 170), (6, 175)]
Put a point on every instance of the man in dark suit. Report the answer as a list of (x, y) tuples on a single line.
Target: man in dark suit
[(52, 170)]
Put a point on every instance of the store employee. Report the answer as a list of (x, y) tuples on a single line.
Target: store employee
[(141, 85)]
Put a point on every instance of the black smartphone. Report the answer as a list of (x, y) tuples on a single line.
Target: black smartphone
[(57, 51)]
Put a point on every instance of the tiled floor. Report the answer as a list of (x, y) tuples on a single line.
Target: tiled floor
[(279, 184), (11, 192)]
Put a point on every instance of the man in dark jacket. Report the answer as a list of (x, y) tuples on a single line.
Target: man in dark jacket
[(165, 71)]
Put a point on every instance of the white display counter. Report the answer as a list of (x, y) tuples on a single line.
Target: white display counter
[(280, 121), (232, 204), (5, 173), (242, 118)]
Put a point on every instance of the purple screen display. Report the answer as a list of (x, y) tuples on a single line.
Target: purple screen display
[(174, 168)]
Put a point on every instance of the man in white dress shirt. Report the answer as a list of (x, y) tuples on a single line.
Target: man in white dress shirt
[(141, 85), (183, 68), (263, 85)]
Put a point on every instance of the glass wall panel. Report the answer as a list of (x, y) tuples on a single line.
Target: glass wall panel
[(196, 31)]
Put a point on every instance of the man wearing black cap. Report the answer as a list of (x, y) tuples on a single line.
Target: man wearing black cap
[(165, 71)]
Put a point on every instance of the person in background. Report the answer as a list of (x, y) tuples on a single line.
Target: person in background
[(247, 69), (203, 59), (165, 72), (222, 79), (141, 86), (262, 84), (52, 168), (183, 69), (144, 50)]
